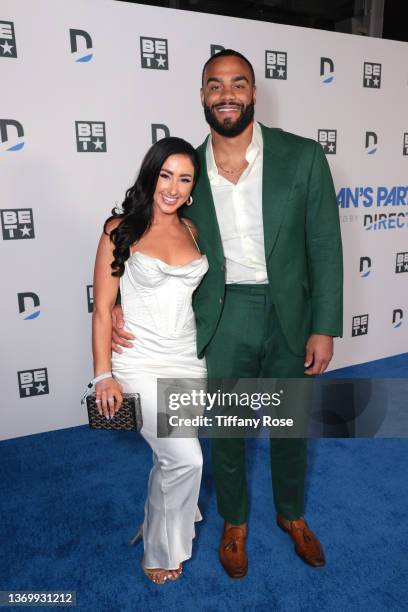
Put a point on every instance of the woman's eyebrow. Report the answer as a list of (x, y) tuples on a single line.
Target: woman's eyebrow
[(172, 173)]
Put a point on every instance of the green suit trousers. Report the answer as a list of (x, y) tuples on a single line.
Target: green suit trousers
[(249, 343)]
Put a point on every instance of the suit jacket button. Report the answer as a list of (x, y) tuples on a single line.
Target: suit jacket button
[(220, 300)]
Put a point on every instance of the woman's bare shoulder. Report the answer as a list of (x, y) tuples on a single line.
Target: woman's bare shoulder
[(190, 225), (112, 224)]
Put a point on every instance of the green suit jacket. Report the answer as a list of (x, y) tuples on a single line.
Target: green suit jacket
[(302, 242)]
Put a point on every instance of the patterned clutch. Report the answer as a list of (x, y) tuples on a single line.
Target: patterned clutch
[(128, 418)]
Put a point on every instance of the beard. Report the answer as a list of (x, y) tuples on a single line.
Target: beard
[(227, 127)]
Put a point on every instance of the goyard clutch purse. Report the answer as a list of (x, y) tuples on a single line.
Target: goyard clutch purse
[(129, 416)]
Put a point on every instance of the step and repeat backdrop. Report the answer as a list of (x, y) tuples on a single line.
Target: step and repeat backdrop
[(88, 85)]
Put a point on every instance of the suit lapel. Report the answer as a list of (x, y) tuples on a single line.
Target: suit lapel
[(277, 181), (204, 210)]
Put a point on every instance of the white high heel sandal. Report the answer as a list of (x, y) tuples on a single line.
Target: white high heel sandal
[(138, 537), (158, 576)]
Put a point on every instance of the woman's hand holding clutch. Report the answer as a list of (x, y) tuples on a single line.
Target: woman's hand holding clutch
[(108, 396)]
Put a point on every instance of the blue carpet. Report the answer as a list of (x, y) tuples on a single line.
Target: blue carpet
[(389, 367), (71, 499)]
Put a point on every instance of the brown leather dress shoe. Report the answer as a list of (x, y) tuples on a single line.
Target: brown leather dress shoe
[(232, 551), (307, 546)]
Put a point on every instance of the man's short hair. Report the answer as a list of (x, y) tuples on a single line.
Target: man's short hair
[(228, 53)]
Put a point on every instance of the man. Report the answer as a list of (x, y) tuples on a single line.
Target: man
[(271, 302)]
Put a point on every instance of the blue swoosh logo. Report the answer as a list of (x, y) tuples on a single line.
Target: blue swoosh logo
[(16, 147), (85, 58), (328, 80), (33, 315)]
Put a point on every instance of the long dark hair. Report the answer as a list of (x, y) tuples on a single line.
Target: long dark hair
[(137, 207)]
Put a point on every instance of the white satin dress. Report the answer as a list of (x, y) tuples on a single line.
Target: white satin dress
[(157, 304)]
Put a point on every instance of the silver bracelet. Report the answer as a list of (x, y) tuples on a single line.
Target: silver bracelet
[(93, 382)]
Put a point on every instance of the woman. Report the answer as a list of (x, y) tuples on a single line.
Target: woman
[(151, 253)]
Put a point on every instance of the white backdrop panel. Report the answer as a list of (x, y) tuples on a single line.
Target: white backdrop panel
[(71, 193)]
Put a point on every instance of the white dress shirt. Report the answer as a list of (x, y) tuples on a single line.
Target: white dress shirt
[(239, 214)]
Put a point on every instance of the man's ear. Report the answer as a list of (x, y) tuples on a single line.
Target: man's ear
[(202, 96), (254, 94)]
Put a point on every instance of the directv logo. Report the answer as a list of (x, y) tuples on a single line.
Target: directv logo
[(397, 316), (28, 305), (85, 43), (159, 130), (326, 70), (386, 221), (17, 135), (365, 266), (8, 46), (371, 141)]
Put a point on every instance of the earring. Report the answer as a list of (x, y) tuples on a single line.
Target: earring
[(189, 201)]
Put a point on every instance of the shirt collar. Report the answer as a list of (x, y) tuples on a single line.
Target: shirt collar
[(254, 148)]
